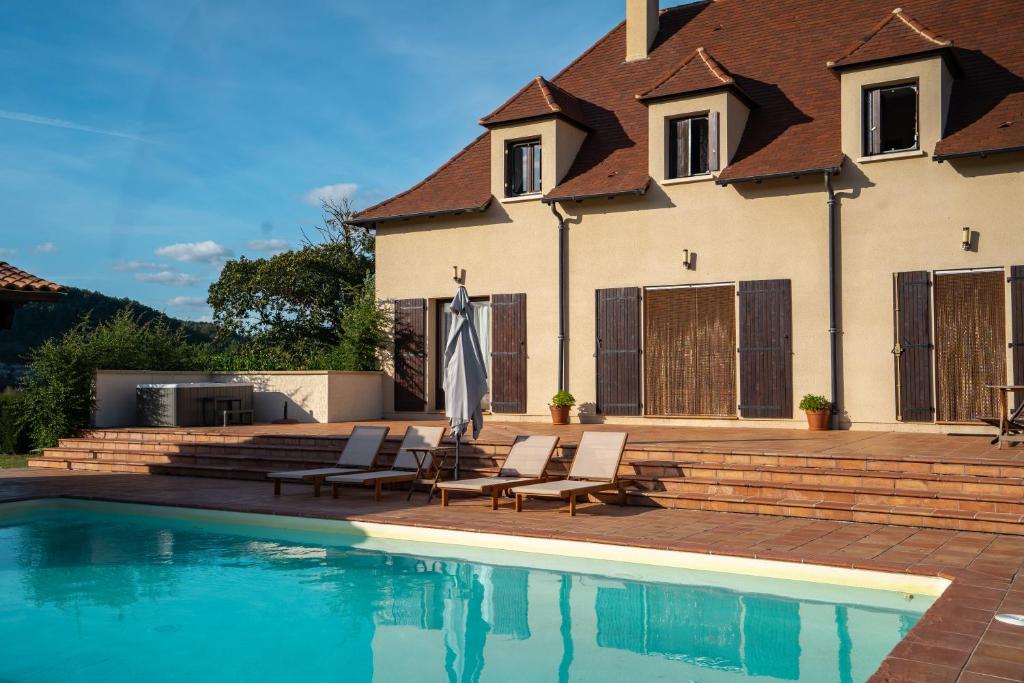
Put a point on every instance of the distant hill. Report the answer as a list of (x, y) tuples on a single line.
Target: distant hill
[(37, 322)]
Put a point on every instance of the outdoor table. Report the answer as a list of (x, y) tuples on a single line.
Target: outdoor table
[(1010, 430), (440, 454)]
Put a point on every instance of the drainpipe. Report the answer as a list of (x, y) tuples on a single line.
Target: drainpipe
[(833, 331), (561, 296)]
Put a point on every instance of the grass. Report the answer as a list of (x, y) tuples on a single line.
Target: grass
[(11, 461)]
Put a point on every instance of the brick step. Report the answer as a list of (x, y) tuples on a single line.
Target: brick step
[(893, 481), (728, 488), (988, 522), (89, 465)]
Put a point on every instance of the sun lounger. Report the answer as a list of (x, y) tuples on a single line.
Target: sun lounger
[(595, 469), (358, 455), (525, 464), (405, 468)]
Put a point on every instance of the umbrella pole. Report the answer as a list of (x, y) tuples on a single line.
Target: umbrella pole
[(458, 445)]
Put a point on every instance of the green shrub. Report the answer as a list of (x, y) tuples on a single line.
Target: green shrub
[(563, 399), (59, 387), (814, 403), (13, 429)]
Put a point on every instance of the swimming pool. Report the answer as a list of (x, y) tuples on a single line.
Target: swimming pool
[(108, 592)]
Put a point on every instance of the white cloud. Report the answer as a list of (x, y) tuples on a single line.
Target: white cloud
[(269, 246), (167, 277), (7, 252), (60, 123), (45, 248), (132, 266), (196, 252), (187, 302), (334, 193)]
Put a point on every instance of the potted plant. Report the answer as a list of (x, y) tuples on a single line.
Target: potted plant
[(818, 410), (560, 404)]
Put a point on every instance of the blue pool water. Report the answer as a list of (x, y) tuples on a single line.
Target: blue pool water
[(90, 593)]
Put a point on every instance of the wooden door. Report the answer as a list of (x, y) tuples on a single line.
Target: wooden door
[(508, 354), (1017, 324), (912, 346), (617, 323), (970, 344), (410, 355), (766, 349), (690, 351)]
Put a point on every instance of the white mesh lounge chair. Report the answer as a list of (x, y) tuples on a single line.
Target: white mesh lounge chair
[(405, 468), (525, 464), (359, 454), (595, 468)]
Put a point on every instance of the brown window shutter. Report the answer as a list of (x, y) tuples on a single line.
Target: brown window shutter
[(410, 354), (713, 163), (682, 148), (508, 353), (912, 348), (766, 349), (618, 351), (873, 132), (1017, 322), (970, 344)]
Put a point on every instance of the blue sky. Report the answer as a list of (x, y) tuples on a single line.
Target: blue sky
[(142, 143)]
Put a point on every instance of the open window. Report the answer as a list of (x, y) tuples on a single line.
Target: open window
[(689, 149), (523, 175), (890, 119)]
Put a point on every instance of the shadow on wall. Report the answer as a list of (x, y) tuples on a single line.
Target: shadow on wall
[(270, 404)]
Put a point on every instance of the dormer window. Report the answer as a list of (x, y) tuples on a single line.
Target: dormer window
[(688, 140), (890, 119), (524, 168)]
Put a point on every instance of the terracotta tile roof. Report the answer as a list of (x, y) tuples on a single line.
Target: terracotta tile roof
[(896, 36), (15, 279), (539, 98), (776, 51), (699, 72)]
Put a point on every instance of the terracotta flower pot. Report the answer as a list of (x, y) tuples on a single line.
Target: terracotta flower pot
[(818, 420), (559, 415)]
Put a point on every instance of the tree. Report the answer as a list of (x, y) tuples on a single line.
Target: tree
[(311, 308)]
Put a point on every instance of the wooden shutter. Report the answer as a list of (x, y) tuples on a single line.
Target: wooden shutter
[(766, 349), (912, 348), (970, 344), (873, 134), (682, 148), (1017, 322), (508, 353), (618, 351), (713, 162), (690, 351), (410, 354)]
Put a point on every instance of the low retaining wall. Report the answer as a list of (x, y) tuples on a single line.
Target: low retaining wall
[(313, 396)]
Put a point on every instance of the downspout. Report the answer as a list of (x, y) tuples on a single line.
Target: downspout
[(561, 296), (833, 331)]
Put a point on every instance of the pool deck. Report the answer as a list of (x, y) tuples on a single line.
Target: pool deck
[(956, 640)]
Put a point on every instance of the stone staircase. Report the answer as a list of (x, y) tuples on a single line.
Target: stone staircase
[(938, 491)]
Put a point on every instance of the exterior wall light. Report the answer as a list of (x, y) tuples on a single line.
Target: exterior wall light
[(965, 244), (688, 260)]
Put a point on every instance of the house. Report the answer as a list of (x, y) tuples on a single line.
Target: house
[(18, 288), (725, 205)]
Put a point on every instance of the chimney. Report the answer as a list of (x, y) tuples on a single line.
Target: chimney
[(641, 28)]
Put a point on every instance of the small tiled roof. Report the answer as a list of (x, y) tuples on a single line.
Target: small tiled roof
[(699, 72), (896, 36), (17, 280), (537, 99), (777, 50)]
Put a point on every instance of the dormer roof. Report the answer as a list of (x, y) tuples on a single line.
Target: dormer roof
[(538, 99), (898, 36), (698, 72)]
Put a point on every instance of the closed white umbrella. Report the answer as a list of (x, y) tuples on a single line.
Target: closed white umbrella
[(465, 373)]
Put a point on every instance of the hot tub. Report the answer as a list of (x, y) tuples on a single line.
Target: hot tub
[(193, 404)]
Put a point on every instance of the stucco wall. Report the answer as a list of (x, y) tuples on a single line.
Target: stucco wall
[(310, 396), (897, 214)]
